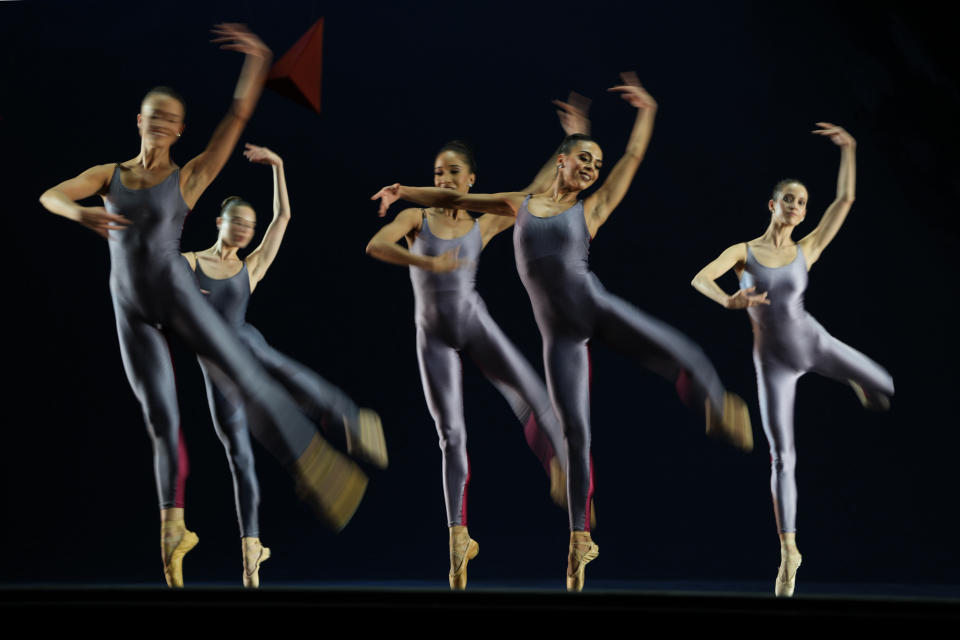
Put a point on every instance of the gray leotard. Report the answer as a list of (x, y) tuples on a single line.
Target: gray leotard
[(571, 307), (787, 343), (451, 317), (317, 398), (154, 291)]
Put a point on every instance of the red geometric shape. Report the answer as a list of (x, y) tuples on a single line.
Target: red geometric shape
[(297, 74)]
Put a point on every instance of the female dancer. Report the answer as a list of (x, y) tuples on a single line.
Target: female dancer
[(787, 341), (229, 281), (153, 291), (444, 250), (554, 228)]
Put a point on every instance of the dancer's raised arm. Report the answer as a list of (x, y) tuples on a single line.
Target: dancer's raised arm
[(599, 206), (262, 257), (817, 240), (197, 174)]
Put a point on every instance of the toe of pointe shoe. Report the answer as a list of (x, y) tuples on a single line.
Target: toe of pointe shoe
[(367, 442), (458, 565), (330, 482), (580, 554), (787, 578), (173, 571), (734, 425), (251, 569)]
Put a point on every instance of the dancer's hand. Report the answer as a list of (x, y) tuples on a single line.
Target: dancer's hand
[(447, 261), (746, 298), (573, 114), (837, 135), (100, 220), (237, 37), (387, 196), (262, 155), (633, 92)]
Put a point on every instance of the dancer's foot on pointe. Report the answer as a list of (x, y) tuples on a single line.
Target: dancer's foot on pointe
[(790, 560), (365, 439), (733, 426), (330, 482), (254, 553), (175, 542), (463, 549), (582, 550)]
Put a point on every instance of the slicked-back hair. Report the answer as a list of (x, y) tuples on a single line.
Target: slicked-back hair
[(462, 149)]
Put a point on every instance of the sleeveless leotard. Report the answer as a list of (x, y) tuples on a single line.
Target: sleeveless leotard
[(451, 317), (571, 307), (318, 399), (154, 291), (787, 343)]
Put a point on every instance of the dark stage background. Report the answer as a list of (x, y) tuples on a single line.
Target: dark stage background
[(740, 86)]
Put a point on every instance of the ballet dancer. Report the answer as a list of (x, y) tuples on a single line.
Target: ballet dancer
[(228, 282), (443, 255), (154, 291), (787, 341), (553, 231)]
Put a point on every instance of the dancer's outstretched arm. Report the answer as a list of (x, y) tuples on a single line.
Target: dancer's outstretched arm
[(817, 240), (705, 280), (573, 119), (599, 205), (262, 257), (197, 174)]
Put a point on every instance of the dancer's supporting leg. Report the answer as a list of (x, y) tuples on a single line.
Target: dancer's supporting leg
[(441, 372)]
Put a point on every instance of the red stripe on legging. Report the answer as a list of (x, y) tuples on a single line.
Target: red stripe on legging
[(463, 501)]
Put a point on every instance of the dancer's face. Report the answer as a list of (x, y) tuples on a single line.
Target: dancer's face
[(160, 119), (790, 207), (452, 171), (581, 167), (238, 226)]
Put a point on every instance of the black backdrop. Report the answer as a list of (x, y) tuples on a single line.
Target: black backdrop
[(739, 86)]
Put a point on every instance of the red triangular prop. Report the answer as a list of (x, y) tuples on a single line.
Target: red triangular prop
[(297, 74)]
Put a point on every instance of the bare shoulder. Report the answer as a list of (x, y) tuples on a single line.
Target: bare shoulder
[(102, 173), (191, 258), (410, 218)]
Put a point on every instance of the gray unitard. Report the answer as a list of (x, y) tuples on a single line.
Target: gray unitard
[(451, 317), (154, 291), (571, 307), (787, 343), (320, 400)]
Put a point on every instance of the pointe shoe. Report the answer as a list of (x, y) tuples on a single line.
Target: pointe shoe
[(366, 441), (872, 401), (787, 574), (173, 559), (254, 553), (733, 426), (582, 551), (463, 549), (330, 482)]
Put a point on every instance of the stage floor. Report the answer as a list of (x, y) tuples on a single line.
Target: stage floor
[(687, 604)]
